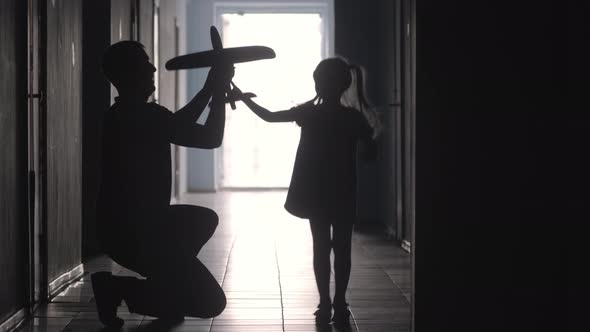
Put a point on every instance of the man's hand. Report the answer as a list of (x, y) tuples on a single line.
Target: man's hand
[(237, 94), (220, 76)]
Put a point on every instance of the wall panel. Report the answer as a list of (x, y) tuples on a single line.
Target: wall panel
[(167, 49), (121, 20), (146, 25), (64, 155), (167, 39)]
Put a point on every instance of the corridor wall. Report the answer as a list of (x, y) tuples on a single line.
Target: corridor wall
[(13, 162), (365, 35), (106, 23), (64, 136)]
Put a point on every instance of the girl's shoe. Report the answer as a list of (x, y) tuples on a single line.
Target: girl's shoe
[(323, 314), (341, 316)]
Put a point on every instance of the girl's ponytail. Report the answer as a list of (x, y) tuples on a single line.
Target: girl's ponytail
[(364, 107), (360, 86)]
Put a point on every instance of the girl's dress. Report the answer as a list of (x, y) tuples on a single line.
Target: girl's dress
[(323, 183)]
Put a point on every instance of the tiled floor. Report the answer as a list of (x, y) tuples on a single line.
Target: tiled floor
[(262, 257)]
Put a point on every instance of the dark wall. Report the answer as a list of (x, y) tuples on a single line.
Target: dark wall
[(146, 26), (365, 35), (167, 49), (168, 78), (105, 23), (13, 152), (121, 12), (122, 21), (145, 12), (64, 135), (486, 254), (96, 99)]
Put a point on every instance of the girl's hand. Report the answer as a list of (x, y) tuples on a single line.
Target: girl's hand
[(236, 91), (236, 94)]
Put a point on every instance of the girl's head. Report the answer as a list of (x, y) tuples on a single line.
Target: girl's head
[(338, 81), (332, 78)]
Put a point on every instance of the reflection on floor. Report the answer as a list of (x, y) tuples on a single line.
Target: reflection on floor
[(262, 257)]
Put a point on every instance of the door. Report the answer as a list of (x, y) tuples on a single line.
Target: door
[(256, 154), (408, 125), (35, 100)]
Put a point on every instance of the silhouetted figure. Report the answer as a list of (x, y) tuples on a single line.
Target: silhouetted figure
[(138, 227), (323, 184)]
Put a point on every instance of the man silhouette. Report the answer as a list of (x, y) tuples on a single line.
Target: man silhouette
[(138, 228)]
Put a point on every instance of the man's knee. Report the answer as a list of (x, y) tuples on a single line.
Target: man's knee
[(218, 305), (212, 219), (212, 305), (208, 222), (199, 220)]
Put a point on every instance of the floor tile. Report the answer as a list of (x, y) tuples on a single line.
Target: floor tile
[(263, 259)]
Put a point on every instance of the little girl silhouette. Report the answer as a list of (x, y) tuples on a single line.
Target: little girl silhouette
[(323, 184)]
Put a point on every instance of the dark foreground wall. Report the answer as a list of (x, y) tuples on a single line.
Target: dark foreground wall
[(487, 238), (13, 149)]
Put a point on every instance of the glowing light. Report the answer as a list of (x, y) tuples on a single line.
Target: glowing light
[(255, 153)]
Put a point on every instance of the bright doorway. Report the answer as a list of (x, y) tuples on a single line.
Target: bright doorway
[(256, 154)]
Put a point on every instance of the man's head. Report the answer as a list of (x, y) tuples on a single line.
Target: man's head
[(128, 67)]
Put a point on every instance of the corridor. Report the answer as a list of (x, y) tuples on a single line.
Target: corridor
[(262, 256)]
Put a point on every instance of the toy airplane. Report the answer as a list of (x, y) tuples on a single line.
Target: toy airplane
[(221, 55)]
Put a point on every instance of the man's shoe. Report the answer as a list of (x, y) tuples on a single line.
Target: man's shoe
[(107, 298)]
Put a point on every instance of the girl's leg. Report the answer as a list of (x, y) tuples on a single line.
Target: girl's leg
[(342, 238), (320, 231)]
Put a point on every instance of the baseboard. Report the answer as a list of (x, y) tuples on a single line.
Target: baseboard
[(390, 233), (252, 189), (56, 286), (407, 246), (14, 321)]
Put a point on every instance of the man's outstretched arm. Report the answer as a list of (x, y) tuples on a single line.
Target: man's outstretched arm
[(186, 131)]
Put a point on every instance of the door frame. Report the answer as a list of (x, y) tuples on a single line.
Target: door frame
[(409, 138), (324, 7), (36, 155)]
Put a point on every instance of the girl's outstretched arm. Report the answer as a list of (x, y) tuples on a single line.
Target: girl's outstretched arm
[(266, 115)]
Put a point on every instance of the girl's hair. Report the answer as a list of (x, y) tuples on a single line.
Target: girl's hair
[(348, 79)]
